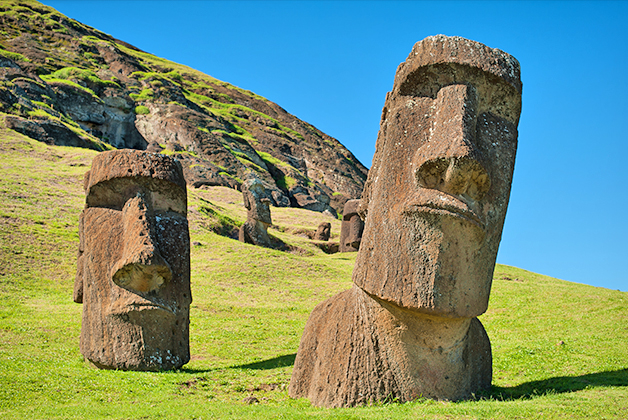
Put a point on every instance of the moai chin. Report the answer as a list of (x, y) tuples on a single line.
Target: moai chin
[(434, 205), (255, 229), (352, 227), (133, 268)]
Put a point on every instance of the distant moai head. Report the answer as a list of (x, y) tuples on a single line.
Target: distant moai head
[(133, 268), (436, 196), (255, 200), (323, 232), (351, 228)]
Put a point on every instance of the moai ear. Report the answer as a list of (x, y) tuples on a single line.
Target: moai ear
[(78, 280), (86, 180)]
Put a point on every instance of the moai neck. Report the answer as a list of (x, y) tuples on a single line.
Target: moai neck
[(428, 354), (426, 331)]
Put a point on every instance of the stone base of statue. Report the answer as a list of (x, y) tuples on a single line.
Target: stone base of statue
[(255, 232), (357, 349)]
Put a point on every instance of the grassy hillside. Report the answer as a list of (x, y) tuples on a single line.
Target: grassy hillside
[(560, 349)]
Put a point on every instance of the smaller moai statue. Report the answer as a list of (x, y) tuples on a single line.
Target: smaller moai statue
[(351, 228), (133, 266), (323, 232), (255, 229)]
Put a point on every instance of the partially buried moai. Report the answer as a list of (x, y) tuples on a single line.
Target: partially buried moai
[(323, 232), (133, 268), (352, 227), (255, 229), (434, 205)]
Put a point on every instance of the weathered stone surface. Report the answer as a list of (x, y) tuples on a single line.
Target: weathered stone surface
[(49, 132), (441, 178), (327, 247), (323, 232), (255, 229), (133, 268), (358, 349), (434, 206), (351, 228)]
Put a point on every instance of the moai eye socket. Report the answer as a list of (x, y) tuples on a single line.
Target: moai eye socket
[(162, 196)]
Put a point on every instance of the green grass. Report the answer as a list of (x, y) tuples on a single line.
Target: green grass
[(151, 77), (159, 81), (12, 55), (144, 95), (142, 110), (222, 173), (76, 74), (559, 348), (45, 112), (39, 113), (53, 80), (286, 181)]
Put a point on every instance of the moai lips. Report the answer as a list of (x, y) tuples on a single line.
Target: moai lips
[(133, 269), (434, 206)]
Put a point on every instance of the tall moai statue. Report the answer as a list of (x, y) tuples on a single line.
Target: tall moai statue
[(133, 268), (434, 205), (351, 228), (255, 229)]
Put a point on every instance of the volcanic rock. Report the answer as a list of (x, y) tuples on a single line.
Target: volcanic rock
[(351, 228), (255, 229), (323, 232)]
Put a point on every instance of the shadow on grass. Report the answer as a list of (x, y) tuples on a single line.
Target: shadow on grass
[(275, 362), (528, 390), (559, 384)]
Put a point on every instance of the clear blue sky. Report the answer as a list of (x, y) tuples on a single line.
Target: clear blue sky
[(331, 64)]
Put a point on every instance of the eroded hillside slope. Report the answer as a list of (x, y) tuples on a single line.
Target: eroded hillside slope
[(65, 83)]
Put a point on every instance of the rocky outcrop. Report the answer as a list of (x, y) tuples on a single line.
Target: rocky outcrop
[(62, 75)]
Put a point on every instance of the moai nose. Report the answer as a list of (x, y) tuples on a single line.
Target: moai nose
[(456, 176), (450, 161), (141, 268)]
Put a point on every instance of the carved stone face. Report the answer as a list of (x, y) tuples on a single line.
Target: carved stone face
[(436, 196), (133, 274)]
